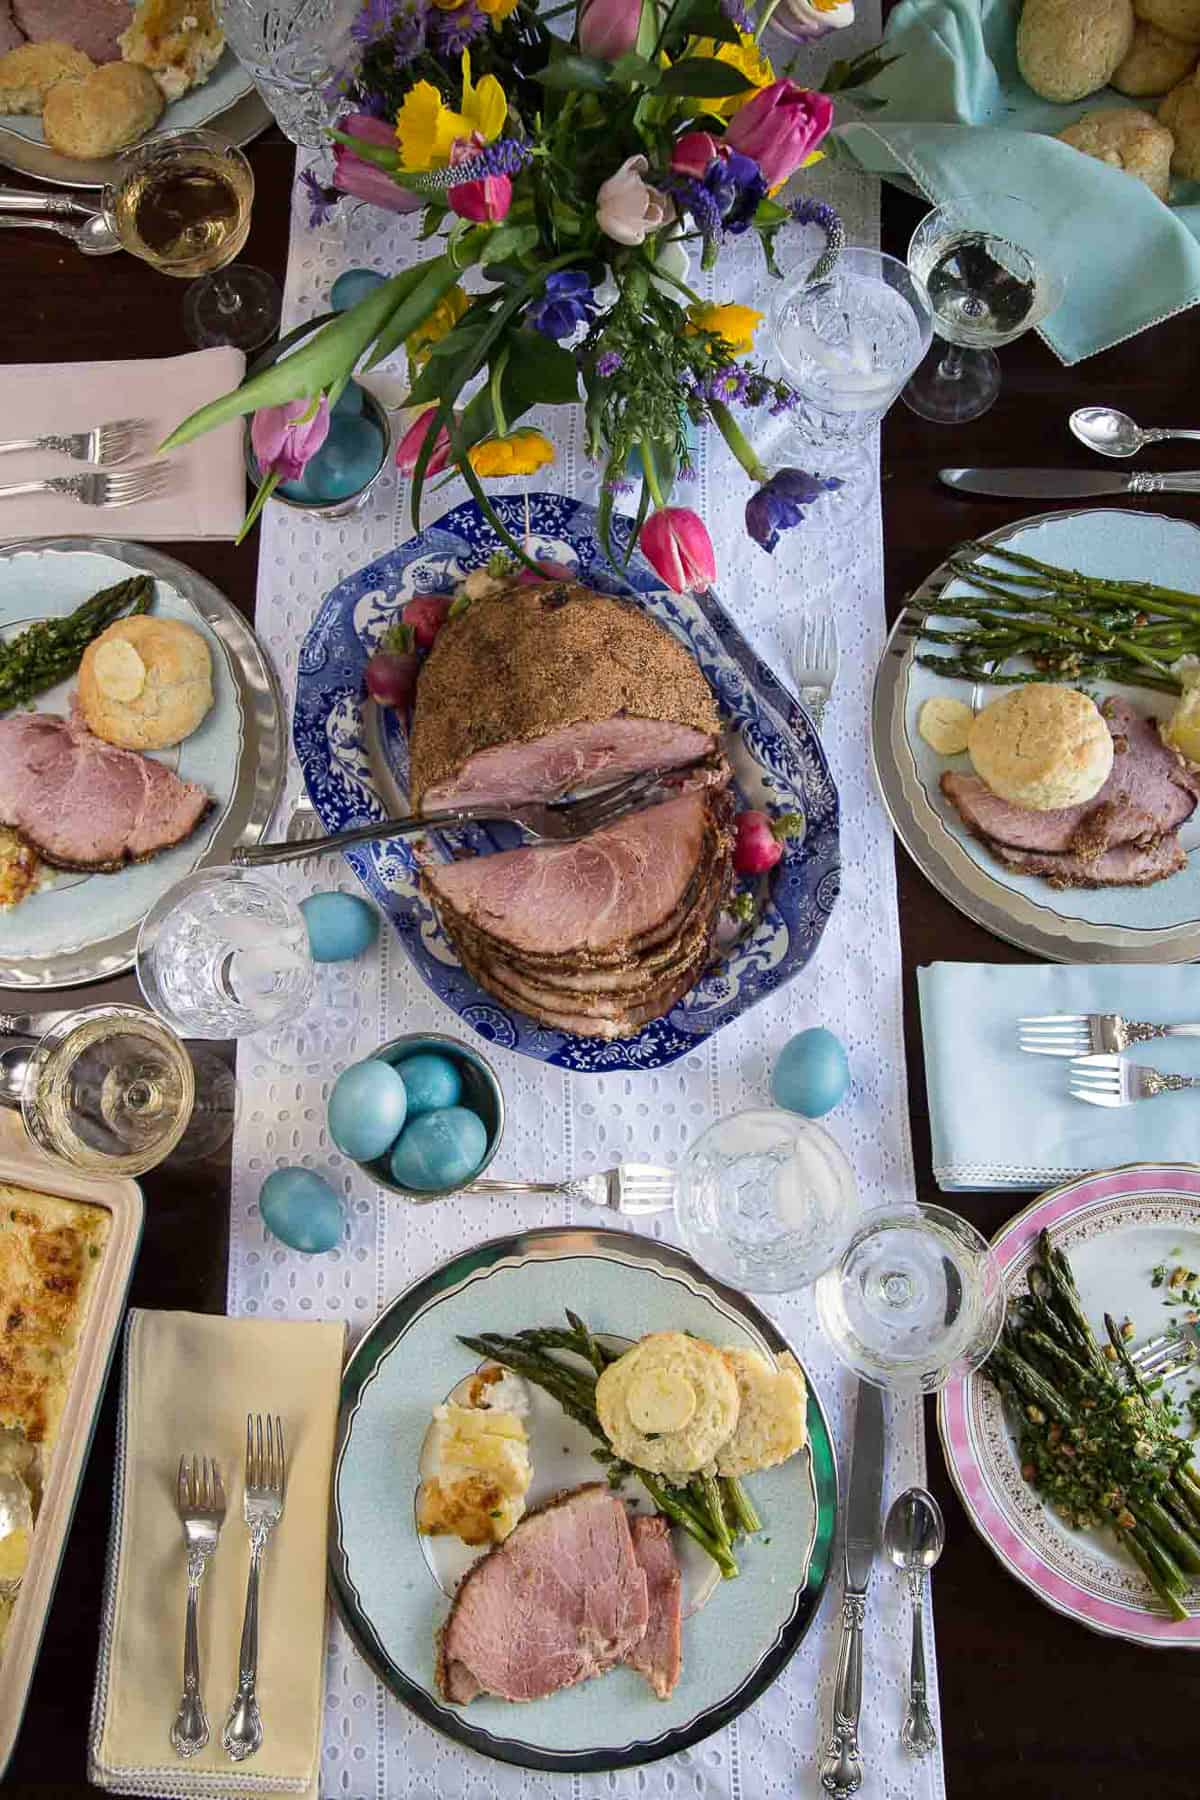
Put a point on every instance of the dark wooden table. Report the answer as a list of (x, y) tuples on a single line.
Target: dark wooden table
[(1031, 1704)]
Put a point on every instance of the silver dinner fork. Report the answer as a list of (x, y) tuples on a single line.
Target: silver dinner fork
[(1168, 1355), (816, 662), (555, 822), (1108, 1081), (103, 446), (1090, 1034), (634, 1189), (262, 1508), (122, 489), (200, 1500)]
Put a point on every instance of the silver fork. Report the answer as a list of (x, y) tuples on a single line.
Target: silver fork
[(1108, 1081), (303, 827), (200, 1499), (1090, 1034), (123, 489), (634, 1189), (262, 1507), (103, 446), (1169, 1354), (552, 823), (816, 662)]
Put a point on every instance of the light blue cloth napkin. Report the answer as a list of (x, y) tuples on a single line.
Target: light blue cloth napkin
[(959, 120), (1001, 1118)]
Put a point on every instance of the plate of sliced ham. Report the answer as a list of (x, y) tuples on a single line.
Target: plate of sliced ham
[(586, 1640), (1116, 879), (616, 952), (112, 828)]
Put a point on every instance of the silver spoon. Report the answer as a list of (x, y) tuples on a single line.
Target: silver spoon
[(1114, 433), (89, 231), (914, 1536)]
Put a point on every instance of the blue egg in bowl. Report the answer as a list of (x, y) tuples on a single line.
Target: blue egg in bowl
[(449, 1147)]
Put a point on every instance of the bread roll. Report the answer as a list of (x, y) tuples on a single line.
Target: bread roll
[(1178, 18), (104, 112), (772, 1414), (1066, 49), (29, 72), (1180, 113), (1155, 62), (669, 1404), (1042, 746), (145, 683), (179, 41), (1126, 138)]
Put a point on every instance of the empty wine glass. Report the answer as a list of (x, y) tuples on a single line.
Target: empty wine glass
[(295, 52), (988, 265), (848, 344), (916, 1299)]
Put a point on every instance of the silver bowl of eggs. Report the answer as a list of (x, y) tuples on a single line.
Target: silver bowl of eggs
[(423, 1116)]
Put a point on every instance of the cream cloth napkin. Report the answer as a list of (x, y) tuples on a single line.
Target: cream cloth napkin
[(188, 1382), (206, 497)]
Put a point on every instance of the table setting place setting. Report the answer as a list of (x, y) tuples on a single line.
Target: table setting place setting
[(511, 907)]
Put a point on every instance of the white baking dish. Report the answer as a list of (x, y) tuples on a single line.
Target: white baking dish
[(22, 1167)]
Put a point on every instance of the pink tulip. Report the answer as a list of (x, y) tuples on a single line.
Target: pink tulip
[(485, 201), (780, 127), (609, 28), (693, 154), (364, 180), (409, 448), (287, 437), (677, 546)]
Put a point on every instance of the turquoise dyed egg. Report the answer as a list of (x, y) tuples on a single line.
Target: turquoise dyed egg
[(440, 1149), (346, 460), (367, 1110), (811, 1074), (349, 402), (431, 1081), (301, 1210), (340, 926), (353, 285)]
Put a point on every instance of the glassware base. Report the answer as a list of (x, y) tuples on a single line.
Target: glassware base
[(214, 1112), (238, 306), (953, 384)]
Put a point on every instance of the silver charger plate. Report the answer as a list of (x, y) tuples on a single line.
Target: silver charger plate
[(239, 123), (1158, 924), (252, 791)]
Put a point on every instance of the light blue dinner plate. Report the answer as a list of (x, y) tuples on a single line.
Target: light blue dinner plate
[(1159, 923), (355, 762), (227, 83), (384, 1585)]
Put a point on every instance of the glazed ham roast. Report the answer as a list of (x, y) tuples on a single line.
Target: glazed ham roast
[(1125, 837), (533, 693), (569, 1594), (85, 805)]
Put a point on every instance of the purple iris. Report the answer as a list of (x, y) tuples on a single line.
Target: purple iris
[(566, 303), (322, 201), (779, 503), (726, 198)]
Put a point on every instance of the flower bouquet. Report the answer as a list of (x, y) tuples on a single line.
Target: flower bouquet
[(570, 177)]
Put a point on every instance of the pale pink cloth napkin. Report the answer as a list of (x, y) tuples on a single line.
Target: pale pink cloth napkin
[(206, 497)]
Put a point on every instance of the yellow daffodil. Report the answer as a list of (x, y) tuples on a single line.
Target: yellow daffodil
[(745, 56), (519, 453), (735, 324), (449, 5), (441, 321), (498, 10), (427, 129)]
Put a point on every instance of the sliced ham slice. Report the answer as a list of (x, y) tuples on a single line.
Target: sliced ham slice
[(1127, 865), (10, 32), (659, 1654), (578, 756), (92, 26), (563, 1598)]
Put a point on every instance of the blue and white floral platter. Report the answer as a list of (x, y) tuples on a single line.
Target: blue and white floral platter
[(355, 762)]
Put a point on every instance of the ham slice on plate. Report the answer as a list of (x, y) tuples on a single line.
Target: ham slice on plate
[(1127, 865), (92, 26), (659, 1655)]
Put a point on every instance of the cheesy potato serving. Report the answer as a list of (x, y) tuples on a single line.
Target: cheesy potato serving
[(478, 1461)]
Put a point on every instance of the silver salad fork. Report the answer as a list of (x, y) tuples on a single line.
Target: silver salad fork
[(200, 1500), (262, 1508)]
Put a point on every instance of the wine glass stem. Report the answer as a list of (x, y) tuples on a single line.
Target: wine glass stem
[(227, 297), (951, 366)]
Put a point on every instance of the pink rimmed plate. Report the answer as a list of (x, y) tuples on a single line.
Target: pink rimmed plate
[(1116, 1227)]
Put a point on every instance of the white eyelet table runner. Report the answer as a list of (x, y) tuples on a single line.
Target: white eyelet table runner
[(561, 1123)]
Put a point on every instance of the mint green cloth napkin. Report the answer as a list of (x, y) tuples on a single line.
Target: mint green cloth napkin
[(1001, 1118), (959, 119)]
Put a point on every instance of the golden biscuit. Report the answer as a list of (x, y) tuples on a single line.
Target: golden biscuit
[(1155, 62), (105, 112), (145, 683), (1066, 49), (669, 1403), (1180, 113), (1178, 18), (772, 1415), (1042, 746), (179, 41), (1126, 138), (29, 72)]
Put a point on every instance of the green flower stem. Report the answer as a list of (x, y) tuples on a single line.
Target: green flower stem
[(372, 153), (734, 436), (660, 274), (266, 488), (650, 473), (768, 15), (494, 379)]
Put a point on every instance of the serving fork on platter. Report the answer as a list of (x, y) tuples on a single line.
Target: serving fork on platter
[(1090, 1034), (262, 1507), (124, 488), (200, 1501), (635, 1189), (1109, 1081), (102, 446), (551, 822), (1169, 1354)]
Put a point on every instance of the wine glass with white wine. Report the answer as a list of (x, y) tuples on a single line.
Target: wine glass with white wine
[(181, 202)]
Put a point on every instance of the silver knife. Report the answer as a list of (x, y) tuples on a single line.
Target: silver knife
[(842, 1764), (1065, 484)]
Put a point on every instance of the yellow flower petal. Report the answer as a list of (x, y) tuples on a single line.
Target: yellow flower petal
[(484, 106), (441, 321), (736, 325), (426, 128), (520, 453), (745, 56), (498, 10)]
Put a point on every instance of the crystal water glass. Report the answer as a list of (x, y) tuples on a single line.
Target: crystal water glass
[(765, 1200), (847, 345), (225, 954), (296, 53), (989, 266), (916, 1299)]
